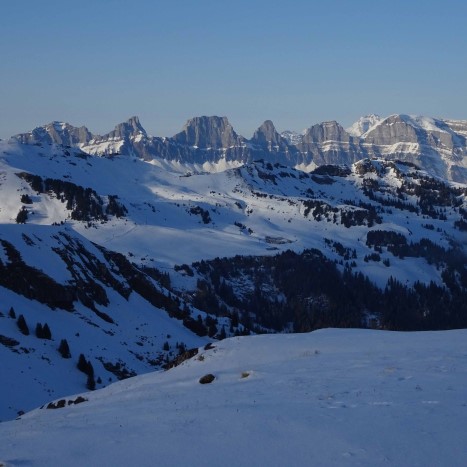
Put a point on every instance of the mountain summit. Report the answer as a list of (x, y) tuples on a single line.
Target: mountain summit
[(208, 133), (131, 128), (363, 124)]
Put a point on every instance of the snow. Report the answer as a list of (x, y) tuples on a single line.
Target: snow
[(331, 397), (364, 124), (160, 227), (160, 230)]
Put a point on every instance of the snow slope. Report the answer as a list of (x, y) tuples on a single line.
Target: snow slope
[(257, 209), (162, 225), (363, 124), (331, 397)]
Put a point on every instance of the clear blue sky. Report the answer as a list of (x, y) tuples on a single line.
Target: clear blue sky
[(297, 62)]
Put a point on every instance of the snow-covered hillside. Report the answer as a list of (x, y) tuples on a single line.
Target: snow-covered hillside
[(331, 397), (101, 249), (175, 218)]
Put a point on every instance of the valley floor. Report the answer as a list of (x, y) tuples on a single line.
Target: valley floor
[(330, 397)]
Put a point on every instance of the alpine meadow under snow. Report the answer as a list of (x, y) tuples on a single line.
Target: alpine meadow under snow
[(132, 266)]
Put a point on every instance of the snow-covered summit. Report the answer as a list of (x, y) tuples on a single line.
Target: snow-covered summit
[(363, 124), (293, 137)]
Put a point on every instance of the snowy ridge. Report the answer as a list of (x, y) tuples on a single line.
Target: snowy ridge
[(363, 124)]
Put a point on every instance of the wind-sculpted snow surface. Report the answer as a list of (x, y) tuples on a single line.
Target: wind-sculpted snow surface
[(331, 397)]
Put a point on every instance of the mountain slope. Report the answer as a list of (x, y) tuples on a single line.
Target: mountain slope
[(331, 397), (113, 247), (256, 209), (121, 319)]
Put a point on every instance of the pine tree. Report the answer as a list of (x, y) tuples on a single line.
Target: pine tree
[(91, 384), (47, 334), (90, 369), (12, 313), (22, 325), (26, 199), (64, 349), (22, 216), (82, 364)]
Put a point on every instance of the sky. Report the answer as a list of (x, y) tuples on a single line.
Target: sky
[(297, 63)]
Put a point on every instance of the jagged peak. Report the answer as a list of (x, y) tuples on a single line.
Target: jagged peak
[(267, 124), (208, 132), (58, 132), (131, 127), (266, 134)]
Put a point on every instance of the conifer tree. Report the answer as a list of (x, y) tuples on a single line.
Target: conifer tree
[(82, 364), (22, 325), (91, 383), (64, 349), (47, 334), (22, 216)]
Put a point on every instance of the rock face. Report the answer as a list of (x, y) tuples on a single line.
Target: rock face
[(266, 136), (56, 133), (439, 146), (269, 144), (128, 129), (208, 133), (329, 143)]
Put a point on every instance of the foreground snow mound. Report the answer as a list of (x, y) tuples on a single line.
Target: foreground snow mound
[(332, 397)]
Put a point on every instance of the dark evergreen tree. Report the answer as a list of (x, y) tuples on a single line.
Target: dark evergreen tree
[(26, 199), (22, 325), (91, 383), (90, 369), (64, 349), (46, 332), (82, 364), (22, 216), (12, 313)]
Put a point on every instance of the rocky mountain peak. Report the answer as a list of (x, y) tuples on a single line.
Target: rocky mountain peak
[(208, 133), (132, 127), (267, 135), (56, 133), (326, 131)]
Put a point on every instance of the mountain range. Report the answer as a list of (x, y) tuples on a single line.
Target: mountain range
[(135, 249), (437, 145)]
